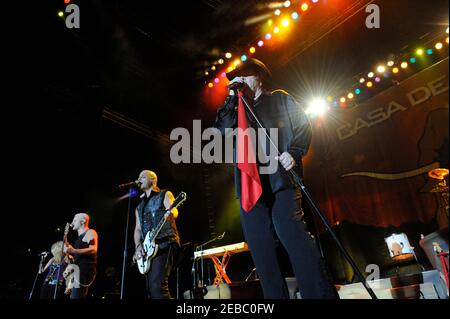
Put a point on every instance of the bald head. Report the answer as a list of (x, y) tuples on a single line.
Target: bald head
[(80, 221)]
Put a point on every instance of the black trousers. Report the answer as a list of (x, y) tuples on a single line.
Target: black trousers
[(158, 276), (279, 215), (88, 273)]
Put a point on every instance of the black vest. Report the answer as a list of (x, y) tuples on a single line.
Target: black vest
[(84, 258), (150, 212), (86, 263)]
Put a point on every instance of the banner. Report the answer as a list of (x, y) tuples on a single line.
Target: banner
[(369, 164)]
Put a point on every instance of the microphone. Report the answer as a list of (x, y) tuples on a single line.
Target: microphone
[(221, 236), (42, 254), (236, 86), (130, 184)]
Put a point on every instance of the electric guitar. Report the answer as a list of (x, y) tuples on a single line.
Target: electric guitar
[(149, 246), (68, 273)]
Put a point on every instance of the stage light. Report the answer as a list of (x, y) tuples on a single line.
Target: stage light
[(206, 73), (378, 79), (350, 96), (390, 63), (315, 1), (276, 30), (381, 69), (66, 1), (395, 70), (213, 68), (446, 40), (252, 50), (358, 91), (229, 69), (270, 22), (60, 14), (287, 4), (216, 80), (419, 51), (244, 58), (228, 55), (404, 65), (260, 43), (285, 22), (268, 36), (294, 15), (446, 31), (236, 62), (329, 98), (210, 85), (317, 106), (223, 74), (362, 80), (342, 99), (438, 46), (429, 51), (369, 84), (304, 6), (412, 60), (370, 75), (277, 12), (221, 61)]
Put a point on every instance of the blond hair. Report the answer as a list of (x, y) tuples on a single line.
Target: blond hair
[(57, 251)]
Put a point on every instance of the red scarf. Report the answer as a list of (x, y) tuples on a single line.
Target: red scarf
[(251, 188)]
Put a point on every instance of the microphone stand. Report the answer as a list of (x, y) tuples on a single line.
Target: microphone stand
[(41, 263), (59, 268), (125, 248), (201, 260), (299, 182), (194, 271)]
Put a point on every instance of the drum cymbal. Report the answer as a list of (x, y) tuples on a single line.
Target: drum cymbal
[(438, 173), (439, 189)]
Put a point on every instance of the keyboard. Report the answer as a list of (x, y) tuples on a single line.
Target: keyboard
[(220, 251)]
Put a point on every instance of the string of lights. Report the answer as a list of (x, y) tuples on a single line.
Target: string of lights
[(284, 14), (390, 70)]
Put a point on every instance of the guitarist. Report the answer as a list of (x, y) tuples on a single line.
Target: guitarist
[(85, 254), (149, 212)]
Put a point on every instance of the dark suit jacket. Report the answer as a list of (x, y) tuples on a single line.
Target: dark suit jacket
[(274, 110)]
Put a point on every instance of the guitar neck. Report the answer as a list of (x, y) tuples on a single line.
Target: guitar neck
[(161, 224), (66, 230), (177, 202)]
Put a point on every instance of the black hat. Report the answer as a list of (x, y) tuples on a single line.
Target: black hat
[(250, 67)]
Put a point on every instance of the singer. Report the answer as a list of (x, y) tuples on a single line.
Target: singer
[(270, 205), (55, 267), (149, 212)]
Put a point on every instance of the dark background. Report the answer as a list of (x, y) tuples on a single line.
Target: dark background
[(145, 60)]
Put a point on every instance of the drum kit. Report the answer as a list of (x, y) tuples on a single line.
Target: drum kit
[(441, 188), (398, 244)]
